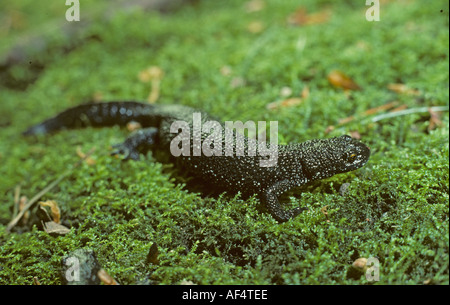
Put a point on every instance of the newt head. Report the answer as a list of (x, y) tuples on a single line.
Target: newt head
[(328, 157)]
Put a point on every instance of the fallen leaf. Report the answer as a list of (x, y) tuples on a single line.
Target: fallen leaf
[(355, 135), (399, 108), (403, 89), (55, 211), (329, 129), (154, 75), (339, 80), (434, 120), (106, 278), (325, 212), (285, 103), (22, 204), (305, 92), (346, 120), (54, 228), (151, 73), (289, 102), (360, 264), (386, 106), (370, 111), (301, 17), (133, 125), (87, 159)]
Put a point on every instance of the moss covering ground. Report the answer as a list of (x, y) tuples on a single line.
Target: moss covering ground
[(230, 62)]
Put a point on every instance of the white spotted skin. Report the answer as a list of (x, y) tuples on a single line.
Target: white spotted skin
[(297, 164)]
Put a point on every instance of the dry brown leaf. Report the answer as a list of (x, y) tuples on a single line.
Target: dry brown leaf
[(154, 75), (151, 73), (346, 120), (16, 199), (154, 93), (434, 119), (133, 125), (19, 204), (370, 111), (403, 89), (106, 278), (301, 17), (22, 204), (325, 212), (87, 159), (386, 106), (329, 129), (339, 80), (53, 205), (284, 103), (399, 108), (355, 135), (54, 228), (360, 264), (289, 102), (305, 92)]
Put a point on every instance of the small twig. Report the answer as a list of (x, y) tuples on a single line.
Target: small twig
[(408, 111), (16, 200), (33, 200)]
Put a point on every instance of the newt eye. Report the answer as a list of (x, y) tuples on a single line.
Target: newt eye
[(351, 157)]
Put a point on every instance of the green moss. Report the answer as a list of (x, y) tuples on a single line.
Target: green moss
[(395, 208)]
